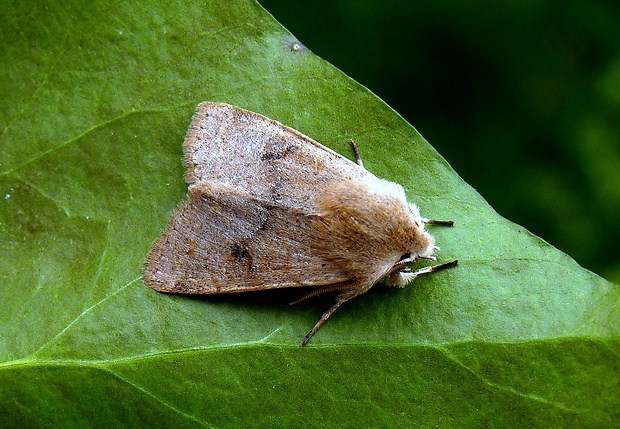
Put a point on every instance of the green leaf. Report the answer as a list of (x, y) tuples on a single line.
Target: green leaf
[(97, 99)]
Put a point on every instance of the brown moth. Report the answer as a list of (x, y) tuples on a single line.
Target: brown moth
[(271, 208)]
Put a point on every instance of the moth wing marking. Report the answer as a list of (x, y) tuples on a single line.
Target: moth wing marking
[(268, 160), (224, 240)]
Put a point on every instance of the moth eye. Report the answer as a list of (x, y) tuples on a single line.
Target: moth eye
[(405, 257)]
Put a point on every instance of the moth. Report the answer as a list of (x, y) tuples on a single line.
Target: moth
[(270, 208)]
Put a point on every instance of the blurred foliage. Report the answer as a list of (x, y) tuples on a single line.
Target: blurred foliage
[(521, 97)]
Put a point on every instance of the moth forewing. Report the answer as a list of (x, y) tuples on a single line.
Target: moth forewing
[(270, 208), (268, 160), (225, 240)]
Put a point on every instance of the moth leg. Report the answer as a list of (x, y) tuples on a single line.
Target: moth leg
[(341, 299), (358, 158), (402, 263), (322, 320)]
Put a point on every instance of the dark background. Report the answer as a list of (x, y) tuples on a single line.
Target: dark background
[(521, 97)]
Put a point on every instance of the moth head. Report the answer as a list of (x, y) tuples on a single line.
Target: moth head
[(422, 245)]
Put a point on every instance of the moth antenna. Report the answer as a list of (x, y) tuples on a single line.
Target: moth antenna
[(358, 158), (438, 222), (336, 287), (322, 320)]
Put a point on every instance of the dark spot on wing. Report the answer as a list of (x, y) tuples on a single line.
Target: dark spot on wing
[(272, 156), (242, 254), (276, 149)]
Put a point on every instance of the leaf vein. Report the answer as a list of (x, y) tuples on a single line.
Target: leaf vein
[(83, 314), (153, 396), (492, 384)]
